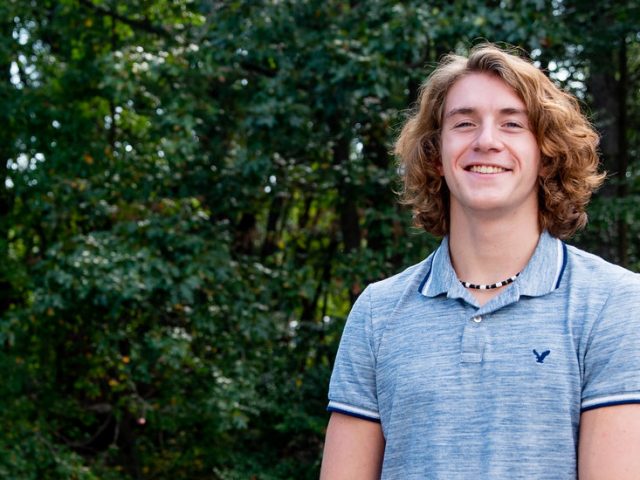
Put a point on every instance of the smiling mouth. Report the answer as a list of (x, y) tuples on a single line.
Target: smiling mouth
[(486, 169)]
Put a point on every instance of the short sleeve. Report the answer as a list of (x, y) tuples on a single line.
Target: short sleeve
[(352, 389), (612, 357)]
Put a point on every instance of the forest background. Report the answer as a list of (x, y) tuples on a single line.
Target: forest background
[(195, 191)]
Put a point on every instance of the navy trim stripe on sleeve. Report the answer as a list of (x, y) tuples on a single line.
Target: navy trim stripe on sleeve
[(610, 404), (351, 414)]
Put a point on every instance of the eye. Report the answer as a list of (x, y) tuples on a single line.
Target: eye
[(463, 124), (512, 124)]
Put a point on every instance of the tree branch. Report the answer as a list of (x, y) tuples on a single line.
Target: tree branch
[(143, 25), (258, 69)]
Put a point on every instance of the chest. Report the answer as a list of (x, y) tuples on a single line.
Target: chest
[(520, 360)]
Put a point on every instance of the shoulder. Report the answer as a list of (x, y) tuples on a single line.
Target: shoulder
[(598, 283), (392, 288), (384, 297), (592, 269)]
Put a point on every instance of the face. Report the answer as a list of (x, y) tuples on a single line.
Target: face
[(490, 157)]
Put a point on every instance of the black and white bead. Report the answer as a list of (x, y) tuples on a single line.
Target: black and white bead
[(490, 286)]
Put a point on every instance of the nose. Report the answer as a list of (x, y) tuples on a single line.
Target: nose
[(488, 138)]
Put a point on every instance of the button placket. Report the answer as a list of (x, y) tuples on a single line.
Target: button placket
[(473, 340)]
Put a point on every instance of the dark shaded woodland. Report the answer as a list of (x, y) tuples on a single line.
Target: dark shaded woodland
[(194, 192)]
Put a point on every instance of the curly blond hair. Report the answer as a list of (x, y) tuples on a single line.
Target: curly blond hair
[(568, 143)]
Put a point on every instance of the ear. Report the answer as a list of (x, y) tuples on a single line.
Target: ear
[(439, 167)]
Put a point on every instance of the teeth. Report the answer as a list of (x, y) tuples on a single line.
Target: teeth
[(486, 169)]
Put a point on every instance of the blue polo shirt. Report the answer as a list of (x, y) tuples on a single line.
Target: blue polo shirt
[(493, 391)]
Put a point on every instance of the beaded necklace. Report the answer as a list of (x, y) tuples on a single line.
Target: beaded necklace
[(490, 286)]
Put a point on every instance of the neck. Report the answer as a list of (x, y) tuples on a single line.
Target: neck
[(486, 251)]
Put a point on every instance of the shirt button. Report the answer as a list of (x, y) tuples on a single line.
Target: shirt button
[(477, 319)]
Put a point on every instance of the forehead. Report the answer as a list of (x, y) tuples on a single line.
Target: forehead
[(482, 91)]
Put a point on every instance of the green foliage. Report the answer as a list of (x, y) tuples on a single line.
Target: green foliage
[(195, 194)]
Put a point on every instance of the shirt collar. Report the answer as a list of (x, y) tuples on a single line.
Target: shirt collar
[(542, 274)]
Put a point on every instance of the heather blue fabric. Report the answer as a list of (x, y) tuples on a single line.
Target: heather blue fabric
[(492, 392)]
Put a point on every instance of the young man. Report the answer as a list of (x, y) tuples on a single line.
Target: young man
[(506, 353)]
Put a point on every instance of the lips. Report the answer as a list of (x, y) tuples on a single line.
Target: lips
[(486, 169)]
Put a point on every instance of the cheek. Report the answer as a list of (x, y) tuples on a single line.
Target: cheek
[(535, 154), (539, 166)]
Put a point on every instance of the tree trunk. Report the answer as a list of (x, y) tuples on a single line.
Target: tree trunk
[(609, 98), (623, 150), (6, 194)]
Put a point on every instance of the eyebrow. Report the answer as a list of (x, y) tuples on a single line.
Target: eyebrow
[(470, 110)]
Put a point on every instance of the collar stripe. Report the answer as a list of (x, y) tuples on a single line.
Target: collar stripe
[(562, 262), (424, 285)]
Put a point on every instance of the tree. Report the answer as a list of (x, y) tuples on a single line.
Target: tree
[(196, 192)]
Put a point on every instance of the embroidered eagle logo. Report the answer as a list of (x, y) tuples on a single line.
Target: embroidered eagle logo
[(541, 356)]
